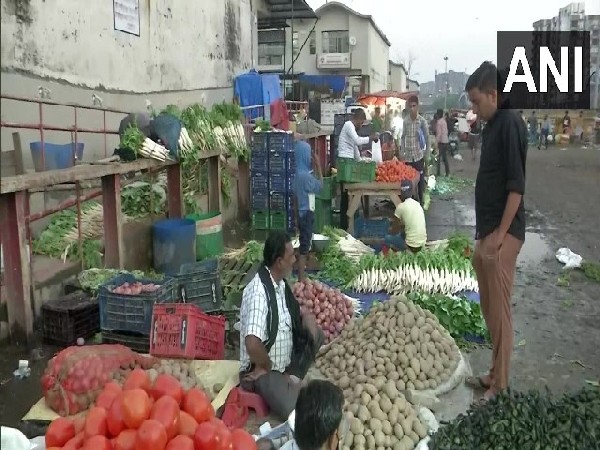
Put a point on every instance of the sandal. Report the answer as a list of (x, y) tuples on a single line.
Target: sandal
[(476, 383)]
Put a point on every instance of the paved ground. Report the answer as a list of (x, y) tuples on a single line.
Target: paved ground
[(557, 331)]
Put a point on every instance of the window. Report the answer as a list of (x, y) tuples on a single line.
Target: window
[(271, 47), (312, 43), (295, 43), (335, 42)]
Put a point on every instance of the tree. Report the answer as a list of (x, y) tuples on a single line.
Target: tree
[(406, 60)]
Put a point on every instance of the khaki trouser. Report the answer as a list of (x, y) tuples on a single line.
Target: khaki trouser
[(495, 269)]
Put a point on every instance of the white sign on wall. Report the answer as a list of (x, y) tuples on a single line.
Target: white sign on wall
[(127, 16)]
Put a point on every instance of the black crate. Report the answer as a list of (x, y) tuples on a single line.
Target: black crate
[(260, 199), (281, 182), (281, 142), (259, 180), (282, 162), (136, 342), (281, 201), (73, 316), (259, 162), (260, 143), (200, 284)]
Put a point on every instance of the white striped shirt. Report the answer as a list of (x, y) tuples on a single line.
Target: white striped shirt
[(253, 322)]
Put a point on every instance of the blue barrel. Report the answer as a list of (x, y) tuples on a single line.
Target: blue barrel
[(56, 156), (173, 244)]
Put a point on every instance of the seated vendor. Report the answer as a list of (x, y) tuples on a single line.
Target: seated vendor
[(278, 342), (408, 230)]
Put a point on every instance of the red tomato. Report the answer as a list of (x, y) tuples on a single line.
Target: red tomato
[(167, 385), (97, 443), (197, 404), (112, 387), (242, 440), (166, 411), (135, 405), (125, 440), (106, 399), (137, 379), (79, 423), (53, 448), (151, 435), (76, 443), (180, 443), (95, 422), (114, 420), (187, 424), (59, 432), (212, 436)]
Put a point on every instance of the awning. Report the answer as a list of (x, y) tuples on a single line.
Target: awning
[(337, 83), (288, 9), (379, 98)]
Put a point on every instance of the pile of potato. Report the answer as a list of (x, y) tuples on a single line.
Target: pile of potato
[(397, 346)]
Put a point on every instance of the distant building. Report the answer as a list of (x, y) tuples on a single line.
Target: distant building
[(398, 77), (413, 85), (455, 81), (428, 88)]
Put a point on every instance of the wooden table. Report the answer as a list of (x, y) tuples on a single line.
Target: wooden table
[(356, 192)]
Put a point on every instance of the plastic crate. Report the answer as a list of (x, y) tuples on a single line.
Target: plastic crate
[(328, 190), (323, 215), (351, 171), (260, 199), (260, 220), (280, 201), (199, 284), (281, 182), (291, 222), (181, 330), (70, 317), (131, 313), (135, 342), (371, 228), (259, 181), (282, 163), (281, 142), (260, 143), (259, 162), (278, 220)]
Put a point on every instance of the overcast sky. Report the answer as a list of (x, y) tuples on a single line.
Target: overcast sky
[(459, 29)]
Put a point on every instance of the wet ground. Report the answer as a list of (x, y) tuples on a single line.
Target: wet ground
[(557, 334)]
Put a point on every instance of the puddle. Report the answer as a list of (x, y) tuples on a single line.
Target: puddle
[(534, 250)]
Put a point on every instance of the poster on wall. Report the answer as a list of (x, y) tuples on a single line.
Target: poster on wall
[(127, 16)]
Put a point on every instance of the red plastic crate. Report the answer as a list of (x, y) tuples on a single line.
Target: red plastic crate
[(181, 330)]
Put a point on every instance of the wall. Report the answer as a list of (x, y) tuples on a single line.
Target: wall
[(379, 55), (398, 81)]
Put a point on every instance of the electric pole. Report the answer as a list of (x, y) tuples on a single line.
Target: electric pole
[(446, 90)]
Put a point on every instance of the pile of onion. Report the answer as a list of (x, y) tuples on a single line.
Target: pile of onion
[(332, 309)]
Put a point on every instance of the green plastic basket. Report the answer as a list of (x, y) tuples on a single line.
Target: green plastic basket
[(278, 220), (260, 220), (328, 191), (323, 215), (351, 171)]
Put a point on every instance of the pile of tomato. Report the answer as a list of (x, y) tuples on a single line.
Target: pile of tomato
[(394, 171), (147, 416)]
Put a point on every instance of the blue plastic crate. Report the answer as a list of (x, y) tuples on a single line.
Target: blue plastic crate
[(132, 313), (281, 142), (259, 180), (281, 182), (282, 162), (260, 143), (260, 200), (259, 163), (291, 222), (371, 228), (280, 201)]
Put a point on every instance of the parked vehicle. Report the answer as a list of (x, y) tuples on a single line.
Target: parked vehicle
[(454, 140)]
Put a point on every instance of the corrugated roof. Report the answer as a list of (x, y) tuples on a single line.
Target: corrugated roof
[(286, 9), (330, 5)]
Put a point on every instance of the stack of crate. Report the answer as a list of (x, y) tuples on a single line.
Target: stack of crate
[(272, 168)]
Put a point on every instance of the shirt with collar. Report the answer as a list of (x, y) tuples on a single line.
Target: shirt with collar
[(253, 322), (349, 140), (410, 138)]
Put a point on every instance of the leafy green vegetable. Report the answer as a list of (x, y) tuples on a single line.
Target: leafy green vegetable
[(591, 270), (263, 125), (132, 139), (92, 279), (141, 198), (336, 266), (450, 185)]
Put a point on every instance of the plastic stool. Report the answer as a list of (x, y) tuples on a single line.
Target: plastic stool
[(237, 407), (253, 401)]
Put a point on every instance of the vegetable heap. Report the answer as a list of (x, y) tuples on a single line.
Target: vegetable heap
[(526, 422), (450, 185), (147, 415), (92, 279), (332, 309), (394, 171), (430, 271), (349, 245), (397, 346), (136, 288)]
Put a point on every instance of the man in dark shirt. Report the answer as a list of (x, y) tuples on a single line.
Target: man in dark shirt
[(499, 217)]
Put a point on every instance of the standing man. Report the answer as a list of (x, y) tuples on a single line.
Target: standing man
[(533, 127), (566, 122), (348, 147), (475, 136), (545, 132), (443, 143), (377, 121), (415, 142), (499, 218)]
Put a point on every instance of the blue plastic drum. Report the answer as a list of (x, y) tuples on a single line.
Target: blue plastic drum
[(173, 244)]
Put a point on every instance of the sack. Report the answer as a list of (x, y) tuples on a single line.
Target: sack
[(76, 375), (376, 153)]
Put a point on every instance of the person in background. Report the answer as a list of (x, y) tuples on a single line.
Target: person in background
[(408, 230), (474, 137), (579, 127), (397, 123), (415, 143), (566, 123), (278, 341), (546, 126), (522, 116), (319, 423), (449, 122), (443, 144), (499, 218), (377, 121), (387, 119), (306, 185), (348, 147), (532, 122)]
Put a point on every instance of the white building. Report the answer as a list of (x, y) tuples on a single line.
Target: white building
[(339, 42), (398, 77)]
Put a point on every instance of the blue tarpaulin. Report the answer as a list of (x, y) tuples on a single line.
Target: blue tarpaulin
[(253, 89), (337, 83)]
